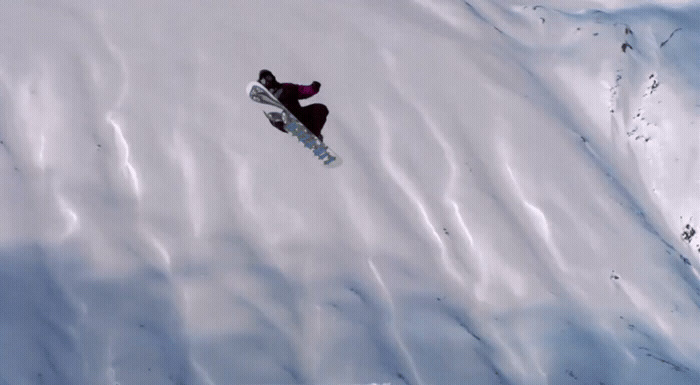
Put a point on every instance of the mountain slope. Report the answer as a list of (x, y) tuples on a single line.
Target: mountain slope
[(517, 204)]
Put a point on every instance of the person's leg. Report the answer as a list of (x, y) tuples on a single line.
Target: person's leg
[(314, 117)]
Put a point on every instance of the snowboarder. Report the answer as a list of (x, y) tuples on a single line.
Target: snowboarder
[(312, 116)]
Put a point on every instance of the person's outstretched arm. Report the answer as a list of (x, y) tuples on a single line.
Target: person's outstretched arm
[(308, 91)]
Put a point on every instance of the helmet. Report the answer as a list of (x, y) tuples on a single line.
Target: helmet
[(266, 78)]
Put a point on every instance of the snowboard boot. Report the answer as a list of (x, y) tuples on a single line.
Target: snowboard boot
[(276, 119)]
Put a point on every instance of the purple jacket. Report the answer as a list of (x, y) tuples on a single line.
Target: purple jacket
[(289, 94)]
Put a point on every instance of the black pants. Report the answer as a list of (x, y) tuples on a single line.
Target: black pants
[(313, 117)]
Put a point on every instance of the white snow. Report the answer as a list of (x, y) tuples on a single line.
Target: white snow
[(517, 203)]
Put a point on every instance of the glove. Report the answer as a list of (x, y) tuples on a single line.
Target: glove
[(316, 86)]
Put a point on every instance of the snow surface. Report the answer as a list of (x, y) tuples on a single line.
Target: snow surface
[(517, 204)]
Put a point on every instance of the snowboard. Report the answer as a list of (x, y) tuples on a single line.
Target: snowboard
[(258, 93)]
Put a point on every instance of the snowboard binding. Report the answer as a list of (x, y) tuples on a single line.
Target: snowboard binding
[(277, 119)]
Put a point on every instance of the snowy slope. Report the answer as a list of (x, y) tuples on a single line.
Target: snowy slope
[(517, 204)]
